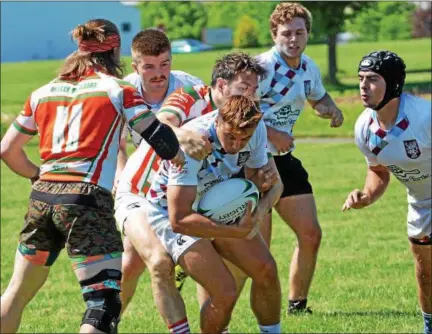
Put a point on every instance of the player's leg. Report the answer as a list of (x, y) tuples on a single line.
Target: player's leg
[(201, 261), (298, 209), (423, 267), (132, 268), (420, 236), (254, 259), (160, 265), (239, 276), (38, 249), (84, 214)]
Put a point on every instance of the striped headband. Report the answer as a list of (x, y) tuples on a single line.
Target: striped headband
[(110, 42)]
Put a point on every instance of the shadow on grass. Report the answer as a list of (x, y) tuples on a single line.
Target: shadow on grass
[(388, 314)]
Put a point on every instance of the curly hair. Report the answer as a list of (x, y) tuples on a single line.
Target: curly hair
[(285, 12)]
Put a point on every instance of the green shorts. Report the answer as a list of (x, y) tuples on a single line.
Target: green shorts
[(78, 215)]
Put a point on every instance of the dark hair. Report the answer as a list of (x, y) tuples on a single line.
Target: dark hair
[(94, 31), (229, 66), (149, 42)]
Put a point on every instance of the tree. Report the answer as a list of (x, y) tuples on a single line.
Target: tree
[(246, 33), (384, 21), (226, 15), (331, 18), (181, 19)]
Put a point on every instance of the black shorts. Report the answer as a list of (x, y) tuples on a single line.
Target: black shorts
[(294, 176)]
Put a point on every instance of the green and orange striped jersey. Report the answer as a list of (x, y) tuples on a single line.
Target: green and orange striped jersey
[(79, 124)]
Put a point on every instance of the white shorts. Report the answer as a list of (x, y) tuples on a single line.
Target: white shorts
[(419, 219), (125, 204), (175, 244)]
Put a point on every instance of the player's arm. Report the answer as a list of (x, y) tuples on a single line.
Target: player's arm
[(377, 180), (326, 108), (193, 143), (14, 156), (282, 141), (271, 196), (186, 221), (140, 118), (121, 161)]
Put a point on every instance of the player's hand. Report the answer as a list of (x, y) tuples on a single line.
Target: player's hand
[(337, 118), (330, 112), (195, 144), (356, 200), (265, 178), (281, 140), (179, 159), (248, 223)]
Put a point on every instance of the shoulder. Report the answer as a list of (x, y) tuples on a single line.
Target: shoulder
[(416, 106), (202, 123), (310, 64), (267, 59), (259, 136), (185, 79)]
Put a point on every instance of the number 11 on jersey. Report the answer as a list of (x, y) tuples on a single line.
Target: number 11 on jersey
[(67, 127)]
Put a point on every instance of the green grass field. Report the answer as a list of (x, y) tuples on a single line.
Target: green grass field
[(364, 280), (19, 79)]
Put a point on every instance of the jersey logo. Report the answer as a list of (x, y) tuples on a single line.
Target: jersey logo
[(242, 158), (401, 174), (412, 149), (307, 87)]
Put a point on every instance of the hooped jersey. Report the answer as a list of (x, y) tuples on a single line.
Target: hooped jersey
[(177, 79), (79, 124), (284, 91), (186, 103), (405, 149), (217, 167)]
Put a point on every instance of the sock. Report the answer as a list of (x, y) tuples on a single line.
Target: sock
[(427, 317), (179, 327), (225, 330), (297, 304), (270, 329)]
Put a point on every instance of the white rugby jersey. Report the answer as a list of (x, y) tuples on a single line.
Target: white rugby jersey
[(284, 91), (177, 79), (218, 166), (405, 149)]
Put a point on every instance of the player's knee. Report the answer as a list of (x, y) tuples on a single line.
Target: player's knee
[(311, 237), (102, 295), (225, 295), (266, 272), (161, 267), (132, 266)]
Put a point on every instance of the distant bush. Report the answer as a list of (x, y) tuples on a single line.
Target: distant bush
[(246, 33)]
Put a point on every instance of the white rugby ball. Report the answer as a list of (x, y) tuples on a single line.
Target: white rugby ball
[(226, 202)]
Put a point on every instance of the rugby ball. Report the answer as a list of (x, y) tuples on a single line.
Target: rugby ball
[(226, 202)]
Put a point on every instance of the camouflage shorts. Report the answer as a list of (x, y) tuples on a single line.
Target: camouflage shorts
[(80, 215)]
